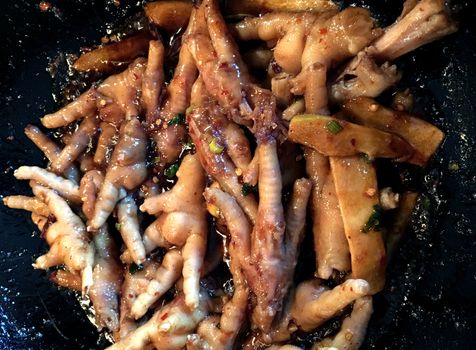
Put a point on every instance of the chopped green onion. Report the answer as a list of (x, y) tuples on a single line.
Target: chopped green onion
[(118, 226), (453, 166), (334, 127), (425, 203), (178, 119), (215, 147), (366, 158), (133, 268), (157, 160), (247, 189), (189, 109), (171, 170), (375, 220)]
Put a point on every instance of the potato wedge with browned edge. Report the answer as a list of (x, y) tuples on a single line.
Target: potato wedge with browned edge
[(169, 15), (255, 7), (339, 138), (356, 187), (108, 57), (423, 136)]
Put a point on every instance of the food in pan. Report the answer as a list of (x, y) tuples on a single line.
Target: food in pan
[(179, 206)]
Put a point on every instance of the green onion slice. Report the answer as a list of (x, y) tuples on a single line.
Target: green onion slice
[(171, 171), (215, 147), (375, 220), (178, 119), (247, 189), (334, 127), (133, 268)]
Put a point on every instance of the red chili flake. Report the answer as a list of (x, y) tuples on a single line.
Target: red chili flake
[(323, 31), (164, 316), (44, 6)]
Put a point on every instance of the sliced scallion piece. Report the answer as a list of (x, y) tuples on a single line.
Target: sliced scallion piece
[(453, 166), (215, 147), (133, 268), (171, 171), (188, 145), (366, 158), (178, 119), (334, 127), (375, 220), (246, 189)]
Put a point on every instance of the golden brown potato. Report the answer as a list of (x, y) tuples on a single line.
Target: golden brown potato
[(106, 58), (423, 136), (356, 187), (169, 15), (255, 7), (334, 137)]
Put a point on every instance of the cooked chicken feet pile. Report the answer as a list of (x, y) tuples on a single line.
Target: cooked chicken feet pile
[(139, 237)]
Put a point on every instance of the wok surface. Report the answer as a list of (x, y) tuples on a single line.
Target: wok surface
[(429, 301)]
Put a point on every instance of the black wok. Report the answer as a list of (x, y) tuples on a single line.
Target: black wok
[(429, 301)]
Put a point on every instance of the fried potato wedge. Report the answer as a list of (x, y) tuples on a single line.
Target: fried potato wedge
[(423, 136), (356, 187), (255, 7), (108, 57), (339, 138), (169, 15)]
